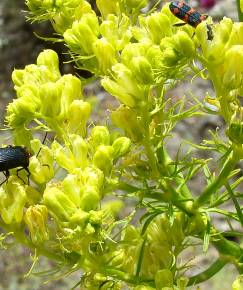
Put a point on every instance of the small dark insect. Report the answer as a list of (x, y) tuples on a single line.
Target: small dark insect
[(189, 15), (16, 156), (12, 157)]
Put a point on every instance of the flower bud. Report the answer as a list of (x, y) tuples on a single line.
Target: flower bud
[(49, 58), (133, 50), (51, 97), (159, 26), (117, 259), (36, 220), (197, 223), (92, 176), (18, 77), (233, 67), (79, 150), (154, 54), (235, 132), (33, 4), (22, 136), (142, 70), (71, 3), (236, 36), (214, 50), (103, 158), (12, 200), (121, 146), (21, 110), (80, 217), (105, 54), (126, 119), (78, 114), (64, 157), (184, 44), (83, 34), (41, 167), (106, 8), (90, 198), (33, 195), (71, 90), (37, 75), (131, 234), (163, 278), (41, 173), (99, 136), (72, 188), (118, 91), (170, 57), (124, 78), (71, 157), (136, 4), (58, 202), (224, 29), (117, 31)]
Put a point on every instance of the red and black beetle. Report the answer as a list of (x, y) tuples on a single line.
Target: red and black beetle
[(189, 15)]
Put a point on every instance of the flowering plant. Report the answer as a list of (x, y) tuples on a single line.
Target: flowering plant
[(85, 174)]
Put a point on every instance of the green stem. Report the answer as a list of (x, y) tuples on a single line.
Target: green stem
[(229, 251), (175, 198), (240, 13), (120, 275), (219, 92), (147, 141), (218, 182), (166, 160), (235, 201), (208, 273)]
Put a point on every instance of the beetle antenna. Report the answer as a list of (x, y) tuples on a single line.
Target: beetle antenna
[(42, 143)]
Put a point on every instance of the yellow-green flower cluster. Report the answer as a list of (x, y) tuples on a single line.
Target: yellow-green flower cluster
[(223, 57), (44, 95), (68, 176), (62, 13), (74, 200), (123, 51), (97, 45), (224, 54), (162, 241)]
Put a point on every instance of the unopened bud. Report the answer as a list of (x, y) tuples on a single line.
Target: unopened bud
[(103, 158), (49, 58), (12, 201), (142, 70), (121, 146), (36, 220), (99, 136)]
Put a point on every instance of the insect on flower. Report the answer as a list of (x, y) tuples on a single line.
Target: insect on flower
[(189, 15), (12, 157), (15, 156)]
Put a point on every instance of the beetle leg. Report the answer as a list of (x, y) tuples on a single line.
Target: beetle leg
[(179, 24), (6, 174), (42, 144), (28, 175)]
